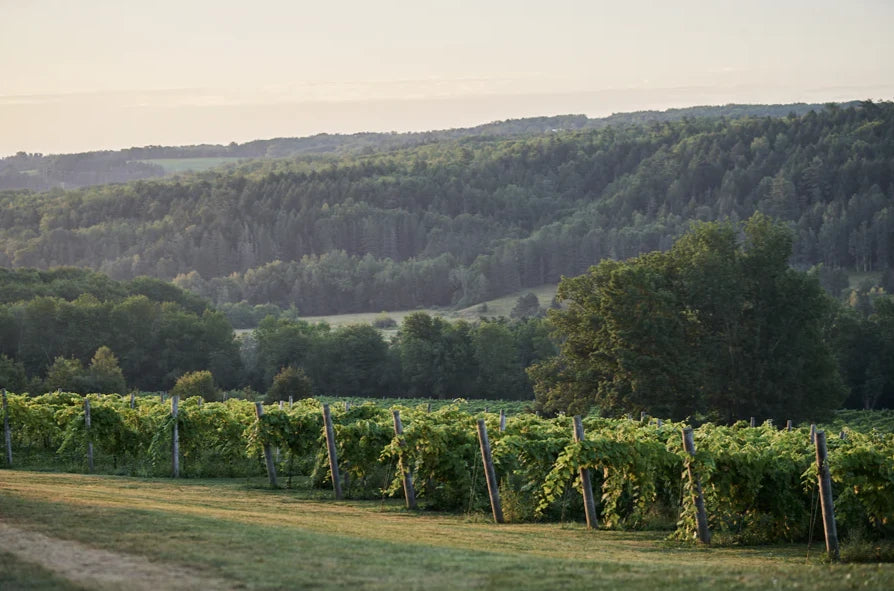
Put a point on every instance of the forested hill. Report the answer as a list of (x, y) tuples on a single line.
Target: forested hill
[(68, 171), (463, 220)]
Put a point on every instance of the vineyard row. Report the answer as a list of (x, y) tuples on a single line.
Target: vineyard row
[(759, 483)]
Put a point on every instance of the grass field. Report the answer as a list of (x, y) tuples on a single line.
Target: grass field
[(65, 531), (175, 165), (497, 307)]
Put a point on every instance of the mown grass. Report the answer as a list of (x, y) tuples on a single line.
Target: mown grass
[(256, 538), (492, 308), (175, 165)]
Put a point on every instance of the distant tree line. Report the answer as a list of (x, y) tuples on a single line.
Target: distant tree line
[(39, 172), (718, 326), (78, 330), (466, 220)]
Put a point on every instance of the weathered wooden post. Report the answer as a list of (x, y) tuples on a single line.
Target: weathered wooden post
[(752, 421), (429, 407), (89, 435), (132, 399), (701, 517), (812, 434), (175, 436), (347, 405), (280, 404), (788, 425), (7, 434), (589, 501), (493, 489), (268, 455), (642, 416), (825, 486), (406, 471), (502, 420), (291, 398), (333, 453), (162, 396)]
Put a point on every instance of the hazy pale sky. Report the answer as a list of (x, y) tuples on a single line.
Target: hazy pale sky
[(97, 74)]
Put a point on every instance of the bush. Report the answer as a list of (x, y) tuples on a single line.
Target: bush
[(383, 321), (290, 381), (196, 383)]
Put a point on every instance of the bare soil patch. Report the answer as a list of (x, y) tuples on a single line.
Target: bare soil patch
[(100, 569)]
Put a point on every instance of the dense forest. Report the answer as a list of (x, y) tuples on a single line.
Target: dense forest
[(78, 330), (462, 221), (68, 171)]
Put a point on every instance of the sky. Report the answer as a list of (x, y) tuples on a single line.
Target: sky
[(109, 74)]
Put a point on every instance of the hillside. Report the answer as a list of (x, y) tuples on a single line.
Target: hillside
[(460, 221), (69, 171)]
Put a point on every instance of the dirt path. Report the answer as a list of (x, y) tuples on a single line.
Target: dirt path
[(100, 569)]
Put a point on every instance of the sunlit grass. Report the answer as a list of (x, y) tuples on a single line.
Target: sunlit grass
[(258, 538), (175, 165)]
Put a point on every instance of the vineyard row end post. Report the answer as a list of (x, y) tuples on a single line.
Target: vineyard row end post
[(89, 435), (333, 453), (701, 516), (7, 434), (406, 471), (825, 486), (175, 436), (490, 473), (586, 485), (268, 454)]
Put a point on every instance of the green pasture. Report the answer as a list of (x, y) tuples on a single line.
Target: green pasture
[(237, 534)]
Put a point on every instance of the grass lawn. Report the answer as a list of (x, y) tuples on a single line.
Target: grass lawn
[(237, 534), (175, 165), (498, 307)]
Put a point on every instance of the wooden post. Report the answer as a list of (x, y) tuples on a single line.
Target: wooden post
[(492, 486), (812, 434), (89, 436), (502, 420), (642, 416), (162, 396), (825, 486), (704, 534), (175, 443), (429, 407), (788, 425), (290, 402), (752, 421), (7, 434), (659, 423), (347, 405), (280, 405), (268, 455), (333, 454), (589, 501), (406, 471), (132, 399)]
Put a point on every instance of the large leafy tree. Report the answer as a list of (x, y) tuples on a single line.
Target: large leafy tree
[(719, 325)]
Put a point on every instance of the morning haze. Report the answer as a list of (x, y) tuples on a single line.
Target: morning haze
[(101, 74)]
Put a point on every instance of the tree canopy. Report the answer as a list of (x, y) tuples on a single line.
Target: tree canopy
[(718, 326), (467, 218)]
